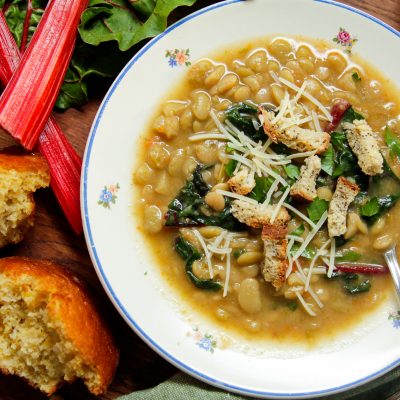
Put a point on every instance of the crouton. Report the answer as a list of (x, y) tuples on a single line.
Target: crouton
[(257, 215), (365, 146), (275, 262), (21, 174), (344, 194), (243, 182), (294, 137), (51, 330), (304, 188)]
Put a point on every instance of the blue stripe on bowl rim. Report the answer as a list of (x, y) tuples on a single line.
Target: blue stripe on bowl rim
[(99, 268)]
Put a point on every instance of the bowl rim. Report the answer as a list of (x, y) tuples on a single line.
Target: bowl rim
[(103, 276)]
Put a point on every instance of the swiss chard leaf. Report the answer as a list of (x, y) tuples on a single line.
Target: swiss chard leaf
[(230, 167), (316, 208), (371, 208), (328, 161), (190, 255), (393, 143), (119, 21), (298, 231), (189, 207), (376, 206), (348, 256), (241, 116), (260, 191), (15, 16), (350, 115), (292, 171), (309, 252), (345, 161), (355, 286)]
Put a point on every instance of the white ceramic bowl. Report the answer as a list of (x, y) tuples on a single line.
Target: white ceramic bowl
[(125, 266)]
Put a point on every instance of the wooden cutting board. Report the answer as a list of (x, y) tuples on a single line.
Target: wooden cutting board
[(51, 238)]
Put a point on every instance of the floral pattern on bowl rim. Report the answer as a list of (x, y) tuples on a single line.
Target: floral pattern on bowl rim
[(394, 316), (178, 57), (345, 40), (204, 341), (108, 195)]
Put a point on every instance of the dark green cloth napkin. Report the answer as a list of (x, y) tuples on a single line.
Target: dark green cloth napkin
[(184, 387)]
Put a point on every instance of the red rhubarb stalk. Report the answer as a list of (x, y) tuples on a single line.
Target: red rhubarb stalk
[(337, 111), (28, 99), (65, 164), (354, 268), (25, 31)]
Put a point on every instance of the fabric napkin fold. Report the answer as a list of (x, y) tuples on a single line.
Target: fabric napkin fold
[(184, 387)]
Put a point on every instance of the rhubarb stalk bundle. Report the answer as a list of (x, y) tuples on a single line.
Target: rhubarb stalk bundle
[(28, 99), (65, 164)]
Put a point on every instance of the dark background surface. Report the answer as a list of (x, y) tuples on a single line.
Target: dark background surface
[(51, 238)]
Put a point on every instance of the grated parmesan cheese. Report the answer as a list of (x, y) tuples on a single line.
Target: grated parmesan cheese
[(206, 252), (207, 136), (307, 96), (236, 196), (311, 235), (305, 305), (279, 205)]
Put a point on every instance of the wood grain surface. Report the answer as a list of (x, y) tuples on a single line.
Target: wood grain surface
[(52, 238)]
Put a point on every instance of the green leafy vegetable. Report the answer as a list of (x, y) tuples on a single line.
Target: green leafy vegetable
[(393, 143), (292, 305), (15, 16), (309, 252), (345, 161), (328, 161), (350, 115), (190, 255), (292, 171), (376, 206), (230, 167), (189, 207), (340, 241), (356, 77), (298, 231), (387, 170), (238, 252), (348, 256), (355, 287), (371, 208), (118, 20), (316, 208), (352, 282), (260, 191), (108, 32), (241, 115)]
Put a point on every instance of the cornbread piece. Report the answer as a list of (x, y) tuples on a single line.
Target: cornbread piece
[(294, 137), (304, 187), (243, 182), (344, 194), (257, 215), (50, 329), (365, 146), (20, 176), (275, 262)]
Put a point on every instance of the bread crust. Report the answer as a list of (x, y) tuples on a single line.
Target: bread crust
[(32, 162), (72, 309), (294, 137), (305, 186), (257, 215), (344, 194)]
